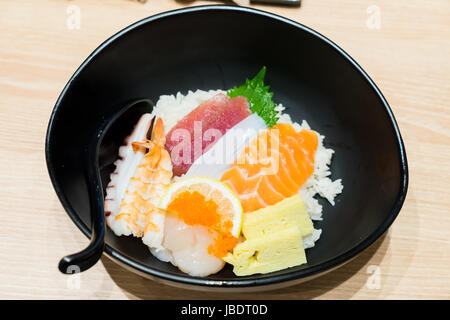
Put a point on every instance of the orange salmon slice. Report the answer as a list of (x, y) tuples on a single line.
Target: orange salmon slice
[(273, 166)]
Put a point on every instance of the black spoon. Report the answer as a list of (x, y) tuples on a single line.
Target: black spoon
[(116, 127)]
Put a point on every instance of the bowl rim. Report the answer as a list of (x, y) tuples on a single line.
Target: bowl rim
[(144, 270)]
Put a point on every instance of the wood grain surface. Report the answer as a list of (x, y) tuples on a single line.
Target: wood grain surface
[(404, 45)]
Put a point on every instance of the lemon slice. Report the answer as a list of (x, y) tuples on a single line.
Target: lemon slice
[(228, 205)]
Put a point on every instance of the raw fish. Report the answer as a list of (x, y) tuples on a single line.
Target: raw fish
[(202, 128), (273, 167)]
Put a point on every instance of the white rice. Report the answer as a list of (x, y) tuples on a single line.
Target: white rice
[(172, 108)]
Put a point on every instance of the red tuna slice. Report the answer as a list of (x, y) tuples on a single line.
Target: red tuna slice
[(201, 129)]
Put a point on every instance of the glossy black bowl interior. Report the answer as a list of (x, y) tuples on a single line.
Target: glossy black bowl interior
[(218, 47)]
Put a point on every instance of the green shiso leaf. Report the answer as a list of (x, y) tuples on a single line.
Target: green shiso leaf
[(258, 97)]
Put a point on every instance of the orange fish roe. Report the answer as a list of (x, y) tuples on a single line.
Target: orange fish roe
[(194, 209), (224, 242)]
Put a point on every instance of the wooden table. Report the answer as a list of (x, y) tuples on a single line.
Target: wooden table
[(404, 46)]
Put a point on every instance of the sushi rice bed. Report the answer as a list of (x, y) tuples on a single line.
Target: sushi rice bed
[(173, 108)]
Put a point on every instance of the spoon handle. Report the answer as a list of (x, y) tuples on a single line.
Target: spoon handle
[(86, 258)]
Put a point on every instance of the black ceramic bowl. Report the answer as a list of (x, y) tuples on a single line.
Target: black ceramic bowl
[(213, 47)]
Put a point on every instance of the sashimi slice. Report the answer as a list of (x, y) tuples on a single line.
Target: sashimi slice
[(219, 158), (202, 128), (292, 152)]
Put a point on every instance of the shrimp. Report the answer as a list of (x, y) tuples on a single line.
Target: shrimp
[(168, 238), (138, 211)]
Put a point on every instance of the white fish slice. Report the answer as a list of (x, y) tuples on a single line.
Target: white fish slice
[(219, 158)]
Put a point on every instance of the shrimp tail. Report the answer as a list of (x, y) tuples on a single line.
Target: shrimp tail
[(158, 132)]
